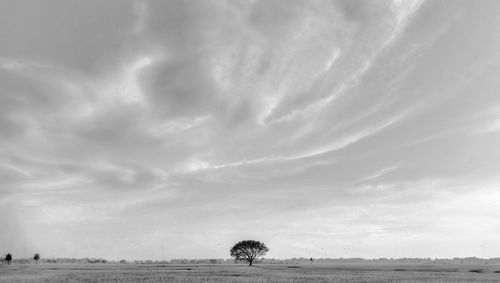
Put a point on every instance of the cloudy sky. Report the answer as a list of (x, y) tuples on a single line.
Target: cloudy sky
[(173, 129)]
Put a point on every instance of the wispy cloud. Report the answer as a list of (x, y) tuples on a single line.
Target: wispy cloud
[(380, 173), (15, 169)]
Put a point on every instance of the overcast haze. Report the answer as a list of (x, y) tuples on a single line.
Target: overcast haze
[(173, 129)]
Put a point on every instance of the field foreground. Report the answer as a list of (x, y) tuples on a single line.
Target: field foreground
[(242, 273)]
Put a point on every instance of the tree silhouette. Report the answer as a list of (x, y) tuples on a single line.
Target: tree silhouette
[(8, 258), (36, 257), (248, 251)]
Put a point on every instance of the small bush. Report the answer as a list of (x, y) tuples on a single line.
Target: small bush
[(476, 270)]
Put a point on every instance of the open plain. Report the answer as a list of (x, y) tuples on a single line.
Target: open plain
[(243, 273)]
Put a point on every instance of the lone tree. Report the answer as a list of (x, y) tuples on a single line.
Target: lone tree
[(248, 251), (8, 258), (36, 257)]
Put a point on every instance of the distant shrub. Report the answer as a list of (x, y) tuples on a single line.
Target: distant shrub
[(123, 261), (496, 271), (97, 260), (476, 270), (8, 258)]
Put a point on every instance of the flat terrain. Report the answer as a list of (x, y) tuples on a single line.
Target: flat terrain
[(242, 273)]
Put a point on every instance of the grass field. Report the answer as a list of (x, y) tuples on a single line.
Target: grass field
[(242, 273)]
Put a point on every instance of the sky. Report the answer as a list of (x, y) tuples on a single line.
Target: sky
[(173, 129)]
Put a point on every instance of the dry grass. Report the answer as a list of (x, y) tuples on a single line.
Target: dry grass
[(241, 273)]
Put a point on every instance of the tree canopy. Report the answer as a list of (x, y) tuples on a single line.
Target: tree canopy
[(248, 251)]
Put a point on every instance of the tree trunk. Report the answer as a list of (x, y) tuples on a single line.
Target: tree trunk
[(250, 263)]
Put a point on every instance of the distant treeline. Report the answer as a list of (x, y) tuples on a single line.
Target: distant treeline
[(302, 260), (467, 260)]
